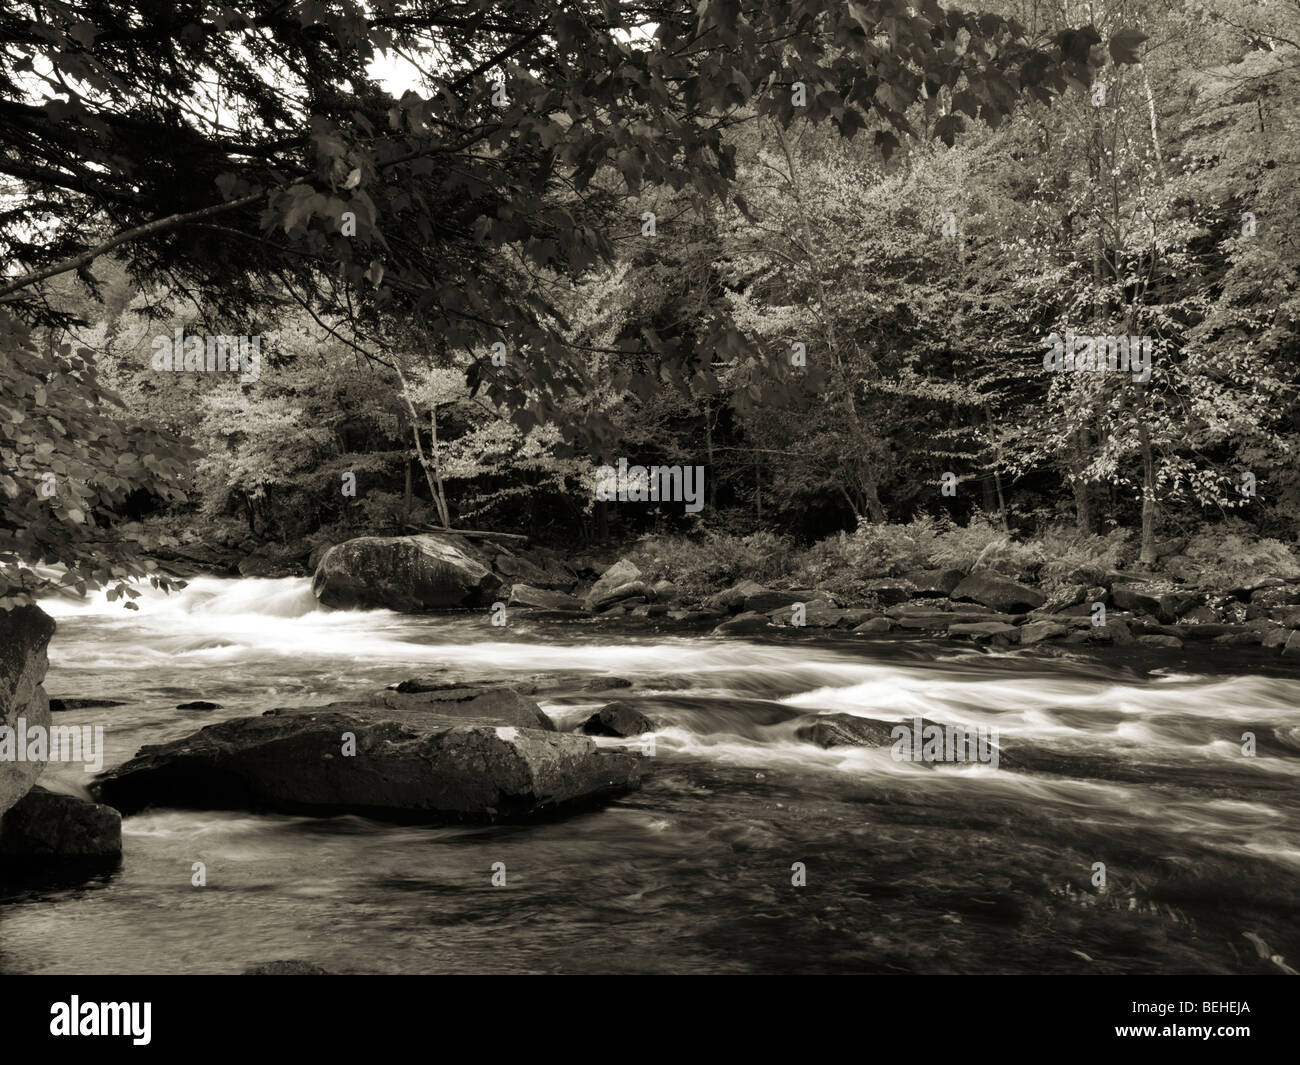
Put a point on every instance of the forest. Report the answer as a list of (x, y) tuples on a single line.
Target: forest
[(723, 241), (648, 486)]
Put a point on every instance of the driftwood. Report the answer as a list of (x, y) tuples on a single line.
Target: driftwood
[(472, 534)]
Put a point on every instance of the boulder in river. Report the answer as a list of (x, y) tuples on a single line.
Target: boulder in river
[(617, 719), (844, 730), (1001, 593), (25, 633), (408, 765), (429, 571), (58, 705), (44, 826)]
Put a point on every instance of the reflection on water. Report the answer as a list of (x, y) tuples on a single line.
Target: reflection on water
[(910, 868)]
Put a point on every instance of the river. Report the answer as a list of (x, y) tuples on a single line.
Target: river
[(1137, 763)]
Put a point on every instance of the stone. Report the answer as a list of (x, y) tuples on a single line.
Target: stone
[(1156, 640), (732, 599), (25, 633), (1131, 597), (766, 601), (407, 765), (620, 573), (666, 591), (999, 592), (489, 704), (891, 590), (984, 630), (1240, 639), (934, 583), (1275, 638), (199, 704), (743, 623), (526, 595), (617, 719), (404, 573), (1115, 631), (516, 570), (844, 730), (1037, 631), (60, 705), (619, 593), (1292, 645), (1276, 595), (1064, 597), (45, 825), (875, 625)]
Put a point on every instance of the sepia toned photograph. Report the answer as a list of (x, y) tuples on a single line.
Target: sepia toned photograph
[(604, 487)]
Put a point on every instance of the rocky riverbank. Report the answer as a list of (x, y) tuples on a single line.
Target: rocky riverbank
[(983, 605), (41, 832)]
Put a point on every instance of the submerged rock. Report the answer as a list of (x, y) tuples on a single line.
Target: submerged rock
[(58, 705), (405, 764), (199, 704), (845, 730), (484, 703), (429, 571)]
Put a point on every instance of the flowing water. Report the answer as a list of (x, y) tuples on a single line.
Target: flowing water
[(1134, 762)]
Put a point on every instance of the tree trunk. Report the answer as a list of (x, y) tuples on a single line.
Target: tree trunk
[(441, 499), (1148, 553), (1082, 511)]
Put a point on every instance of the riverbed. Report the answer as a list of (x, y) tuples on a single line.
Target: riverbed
[(1134, 834)]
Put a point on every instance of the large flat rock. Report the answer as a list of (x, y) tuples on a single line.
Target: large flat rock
[(407, 764)]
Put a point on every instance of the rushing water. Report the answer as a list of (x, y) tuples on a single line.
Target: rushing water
[(910, 868)]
